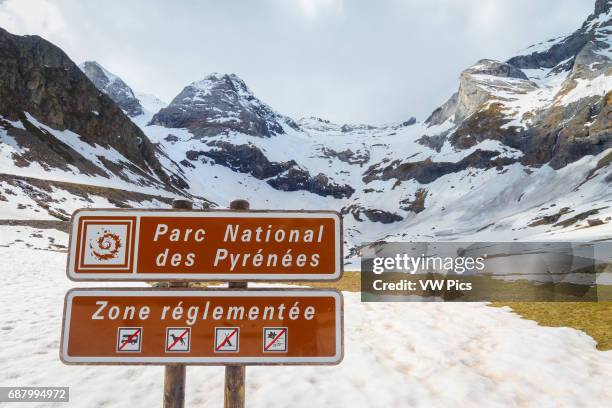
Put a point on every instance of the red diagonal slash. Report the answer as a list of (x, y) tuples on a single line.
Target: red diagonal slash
[(226, 339), (178, 339), (136, 333), (274, 339)]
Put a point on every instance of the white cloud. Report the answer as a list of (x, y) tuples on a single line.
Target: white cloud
[(40, 17), (312, 8), (31, 16)]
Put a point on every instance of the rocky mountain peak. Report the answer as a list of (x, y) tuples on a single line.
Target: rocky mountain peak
[(113, 86), (225, 81), (554, 52), (478, 85), (494, 68), (603, 7), (221, 103)]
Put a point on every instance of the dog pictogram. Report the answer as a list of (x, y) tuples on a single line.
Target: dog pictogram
[(178, 339)]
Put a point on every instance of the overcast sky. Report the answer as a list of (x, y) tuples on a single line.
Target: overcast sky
[(346, 60)]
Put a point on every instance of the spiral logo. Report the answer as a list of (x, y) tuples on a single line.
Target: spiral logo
[(105, 246)]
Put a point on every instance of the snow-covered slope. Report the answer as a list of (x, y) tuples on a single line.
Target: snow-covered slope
[(425, 355)]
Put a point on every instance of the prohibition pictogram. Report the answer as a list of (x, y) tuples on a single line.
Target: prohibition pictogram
[(226, 339), (129, 339), (178, 339), (275, 339)]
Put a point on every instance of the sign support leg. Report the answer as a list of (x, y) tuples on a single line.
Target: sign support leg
[(234, 386), (174, 386), (174, 375), (233, 394)]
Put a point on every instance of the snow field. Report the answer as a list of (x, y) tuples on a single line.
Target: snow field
[(396, 354)]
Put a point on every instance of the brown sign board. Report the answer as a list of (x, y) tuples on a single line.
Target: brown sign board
[(202, 327), (159, 245)]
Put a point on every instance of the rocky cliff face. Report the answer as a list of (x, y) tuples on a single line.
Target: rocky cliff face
[(551, 53), (114, 87), (221, 104), (543, 103), (58, 118), (477, 85)]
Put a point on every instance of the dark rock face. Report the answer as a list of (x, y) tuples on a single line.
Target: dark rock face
[(427, 171), (284, 176), (416, 205), (374, 215), (114, 87), (603, 6), (497, 69), (220, 104), (352, 128), (485, 124), (560, 143), (348, 156), (579, 217), (564, 48), (550, 219), (298, 179), (39, 78), (244, 159), (43, 148), (409, 122), (550, 58), (447, 110), (434, 142), (558, 137)]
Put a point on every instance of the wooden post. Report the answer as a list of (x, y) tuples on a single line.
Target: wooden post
[(174, 376), (233, 394)]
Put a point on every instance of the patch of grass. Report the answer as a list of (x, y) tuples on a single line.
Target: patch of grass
[(350, 282), (593, 318)]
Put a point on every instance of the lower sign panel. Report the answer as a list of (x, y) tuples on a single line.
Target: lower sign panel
[(200, 327)]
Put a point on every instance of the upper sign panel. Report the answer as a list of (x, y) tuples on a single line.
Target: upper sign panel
[(205, 245)]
